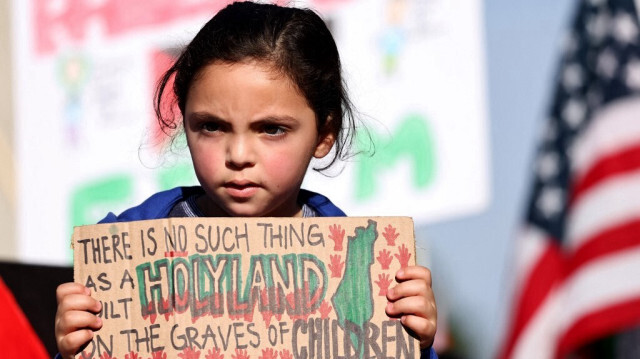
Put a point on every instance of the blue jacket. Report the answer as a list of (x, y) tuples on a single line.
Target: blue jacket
[(160, 204)]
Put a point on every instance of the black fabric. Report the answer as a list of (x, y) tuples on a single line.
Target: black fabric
[(34, 288)]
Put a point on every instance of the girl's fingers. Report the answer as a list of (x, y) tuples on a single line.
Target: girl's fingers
[(74, 320), (70, 344), (414, 272), (79, 302), (410, 288), (425, 329), (415, 305), (413, 301), (70, 288)]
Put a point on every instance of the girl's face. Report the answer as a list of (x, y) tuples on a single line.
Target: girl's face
[(251, 135)]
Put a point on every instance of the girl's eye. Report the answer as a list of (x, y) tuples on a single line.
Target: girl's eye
[(210, 127), (273, 130)]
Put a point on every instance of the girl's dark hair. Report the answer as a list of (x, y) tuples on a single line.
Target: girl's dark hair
[(295, 41)]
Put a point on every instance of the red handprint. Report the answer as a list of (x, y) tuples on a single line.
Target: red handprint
[(384, 258), (214, 354), (189, 353), (325, 309), (285, 354), (269, 353), (337, 235), (158, 354), (403, 256), (336, 266), (240, 354), (131, 355), (390, 235), (383, 283)]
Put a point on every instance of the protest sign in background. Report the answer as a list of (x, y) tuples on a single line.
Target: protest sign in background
[(246, 287), (86, 140)]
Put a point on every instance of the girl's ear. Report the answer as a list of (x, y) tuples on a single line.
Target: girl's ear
[(326, 139)]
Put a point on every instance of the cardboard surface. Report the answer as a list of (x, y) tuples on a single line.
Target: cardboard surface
[(204, 288)]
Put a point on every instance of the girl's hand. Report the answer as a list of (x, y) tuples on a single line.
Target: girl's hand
[(412, 300), (75, 320)]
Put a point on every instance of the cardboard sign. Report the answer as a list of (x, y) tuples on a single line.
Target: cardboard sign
[(239, 288)]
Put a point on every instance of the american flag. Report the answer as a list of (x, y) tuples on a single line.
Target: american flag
[(578, 255)]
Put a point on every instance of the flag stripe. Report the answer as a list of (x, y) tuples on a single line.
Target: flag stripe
[(597, 324), (612, 129), (617, 239), (533, 244), (627, 160), (538, 339), (599, 289), (608, 205), (542, 277), (600, 284), (589, 290)]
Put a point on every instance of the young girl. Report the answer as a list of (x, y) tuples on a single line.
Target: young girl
[(260, 93)]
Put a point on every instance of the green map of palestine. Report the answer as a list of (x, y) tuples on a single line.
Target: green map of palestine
[(353, 300)]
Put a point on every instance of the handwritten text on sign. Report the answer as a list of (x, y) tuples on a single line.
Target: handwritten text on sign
[(205, 288)]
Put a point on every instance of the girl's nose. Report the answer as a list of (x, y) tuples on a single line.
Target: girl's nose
[(239, 153)]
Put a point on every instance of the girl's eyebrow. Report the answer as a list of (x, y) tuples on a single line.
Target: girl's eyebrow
[(205, 116), (280, 119)]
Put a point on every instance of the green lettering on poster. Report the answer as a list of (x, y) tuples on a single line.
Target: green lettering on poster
[(412, 140)]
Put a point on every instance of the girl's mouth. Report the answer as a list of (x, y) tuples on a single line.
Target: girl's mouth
[(241, 189)]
